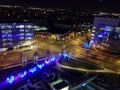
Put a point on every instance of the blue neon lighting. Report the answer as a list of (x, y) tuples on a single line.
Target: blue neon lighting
[(69, 56), (47, 61), (22, 74), (40, 66), (104, 32), (60, 54), (100, 36), (64, 54), (32, 70), (86, 45), (10, 79), (53, 58)]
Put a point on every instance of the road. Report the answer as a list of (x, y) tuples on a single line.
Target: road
[(42, 46), (78, 68)]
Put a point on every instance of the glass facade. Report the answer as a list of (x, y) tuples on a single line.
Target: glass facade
[(12, 34), (106, 33)]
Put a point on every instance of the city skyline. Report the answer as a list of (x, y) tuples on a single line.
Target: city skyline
[(73, 4)]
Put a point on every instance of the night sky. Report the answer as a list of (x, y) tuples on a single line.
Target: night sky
[(112, 5)]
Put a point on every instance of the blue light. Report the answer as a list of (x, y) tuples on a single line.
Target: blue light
[(32, 70), (60, 54), (64, 54), (100, 36), (47, 62), (43, 64), (84, 84), (69, 56), (105, 32), (10, 79), (9, 35), (22, 74), (53, 58), (86, 45), (40, 66)]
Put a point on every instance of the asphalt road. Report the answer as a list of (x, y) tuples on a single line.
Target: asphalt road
[(43, 46)]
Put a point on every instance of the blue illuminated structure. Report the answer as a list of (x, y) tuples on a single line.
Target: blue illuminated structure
[(12, 34), (32, 70), (10, 79), (60, 55), (64, 54), (69, 56), (86, 45), (47, 61), (22, 74), (39, 66), (53, 58), (106, 33)]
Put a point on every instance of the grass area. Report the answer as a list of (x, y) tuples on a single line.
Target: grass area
[(79, 64)]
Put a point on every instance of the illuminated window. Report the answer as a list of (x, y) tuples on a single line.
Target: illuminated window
[(29, 34), (6, 31), (28, 26), (28, 38), (7, 39), (7, 44), (21, 26), (4, 44), (9, 35), (3, 31), (21, 34), (21, 30), (27, 30), (21, 38)]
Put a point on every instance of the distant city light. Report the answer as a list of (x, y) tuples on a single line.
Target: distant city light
[(93, 34), (93, 30), (38, 28), (31, 46)]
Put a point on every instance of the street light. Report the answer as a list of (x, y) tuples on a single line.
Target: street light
[(32, 46)]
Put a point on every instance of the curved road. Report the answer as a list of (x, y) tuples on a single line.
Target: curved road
[(86, 70)]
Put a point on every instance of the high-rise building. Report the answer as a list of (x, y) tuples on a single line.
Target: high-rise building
[(106, 33), (15, 34)]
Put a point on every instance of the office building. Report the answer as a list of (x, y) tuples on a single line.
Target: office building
[(15, 34), (106, 33)]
